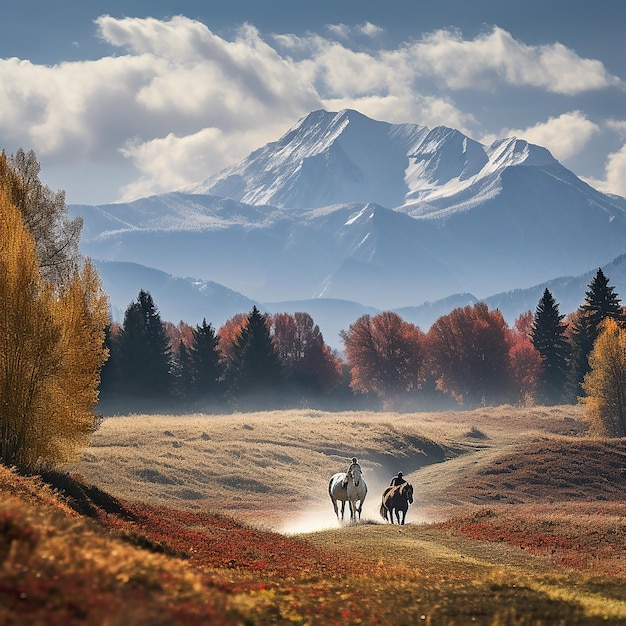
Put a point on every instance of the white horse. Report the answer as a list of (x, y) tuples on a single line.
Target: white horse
[(348, 487)]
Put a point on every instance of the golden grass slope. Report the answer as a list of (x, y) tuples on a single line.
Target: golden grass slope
[(554, 554), (274, 466)]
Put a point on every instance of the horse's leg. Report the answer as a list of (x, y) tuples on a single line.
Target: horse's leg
[(335, 506), (343, 508)]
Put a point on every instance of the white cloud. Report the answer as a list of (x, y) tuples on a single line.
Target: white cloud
[(615, 174), (619, 126), (344, 31), (565, 136), (497, 56), (369, 29), (182, 102), (171, 162)]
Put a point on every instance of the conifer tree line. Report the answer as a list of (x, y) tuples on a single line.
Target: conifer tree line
[(469, 357), (255, 361)]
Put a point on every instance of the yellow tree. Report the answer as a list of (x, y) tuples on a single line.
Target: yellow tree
[(44, 213), (605, 383), (51, 352)]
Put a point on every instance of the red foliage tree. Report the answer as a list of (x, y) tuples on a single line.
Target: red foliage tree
[(385, 355), (524, 359), (306, 359), (181, 332), (469, 354)]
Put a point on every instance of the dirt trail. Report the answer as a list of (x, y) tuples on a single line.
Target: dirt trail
[(424, 547), (460, 570)]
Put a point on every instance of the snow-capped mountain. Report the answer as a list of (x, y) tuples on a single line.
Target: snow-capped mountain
[(387, 215), (325, 159)]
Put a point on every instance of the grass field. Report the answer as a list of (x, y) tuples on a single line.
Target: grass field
[(519, 518)]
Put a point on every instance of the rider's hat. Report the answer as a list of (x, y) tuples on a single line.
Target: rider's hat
[(399, 474)]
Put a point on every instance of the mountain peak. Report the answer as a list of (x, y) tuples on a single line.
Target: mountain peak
[(512, 151), (329, 158)]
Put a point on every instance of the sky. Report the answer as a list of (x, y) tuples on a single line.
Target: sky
[(122, 100)]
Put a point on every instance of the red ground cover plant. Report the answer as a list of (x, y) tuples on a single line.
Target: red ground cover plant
[(216, 541), (586, 538)]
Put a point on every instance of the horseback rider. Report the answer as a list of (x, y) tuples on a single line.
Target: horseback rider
[(353, 462), (397, 480)]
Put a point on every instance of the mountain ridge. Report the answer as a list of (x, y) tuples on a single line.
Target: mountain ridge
[(464, 218)]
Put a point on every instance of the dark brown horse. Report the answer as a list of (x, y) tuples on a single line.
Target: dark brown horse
[(396, 499)]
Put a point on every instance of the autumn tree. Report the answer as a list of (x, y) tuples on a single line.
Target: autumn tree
[(605, 383), (468, 350), (51, 350), (601, 302), (308, 363), (253, 370), (548, 335), (228, 335), (385, 355), (524, 360), (144, 352), (45, 215)]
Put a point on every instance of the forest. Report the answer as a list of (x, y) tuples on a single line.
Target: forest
[(467, 359)]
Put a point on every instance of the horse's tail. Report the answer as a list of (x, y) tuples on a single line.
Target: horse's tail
[(383, 511)]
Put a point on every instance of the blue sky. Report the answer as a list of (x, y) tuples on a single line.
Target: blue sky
[(125, 99)]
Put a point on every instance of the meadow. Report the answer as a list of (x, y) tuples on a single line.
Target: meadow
[(519, 518)]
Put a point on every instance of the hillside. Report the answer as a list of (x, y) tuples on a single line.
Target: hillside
[(80, 554)]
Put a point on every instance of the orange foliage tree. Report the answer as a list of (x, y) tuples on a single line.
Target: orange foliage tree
[(469, 354), (385, 355), (228, 334)]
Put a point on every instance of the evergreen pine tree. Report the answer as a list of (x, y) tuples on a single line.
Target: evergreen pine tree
[(601, 302), (183, 372), (254, 369), (205, 364), (548, 337), (145, 357), (109, 374)]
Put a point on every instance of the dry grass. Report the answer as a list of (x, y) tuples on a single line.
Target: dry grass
[(528, 523), (275, 465)]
